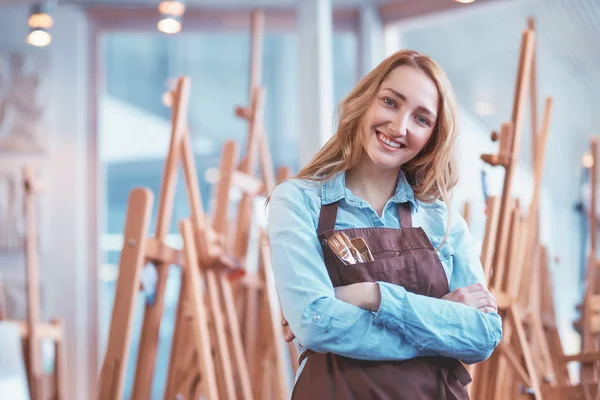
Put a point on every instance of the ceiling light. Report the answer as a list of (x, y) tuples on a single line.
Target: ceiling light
[(169, 25), (465, 1), (587, 160), (39, 38), (170, 16), (171, 8), (40, 21)]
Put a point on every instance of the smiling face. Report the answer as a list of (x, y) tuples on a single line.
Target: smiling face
[(401, 118)]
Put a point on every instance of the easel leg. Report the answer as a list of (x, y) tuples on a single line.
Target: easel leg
[(178, 344), (501, 372), (487, 383), (202, 346), (271, 310), (34, 381), (226, 373), (112, 375), (250, 333), (515, 316), (60, 369), (236, 338), (262, 369), (146, 360)]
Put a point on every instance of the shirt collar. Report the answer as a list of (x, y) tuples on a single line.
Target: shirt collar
[(335, 189)]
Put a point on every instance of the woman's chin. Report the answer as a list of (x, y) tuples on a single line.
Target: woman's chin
[(384, 164)]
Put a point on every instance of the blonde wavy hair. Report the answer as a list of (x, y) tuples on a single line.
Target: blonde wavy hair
[(432, 173)]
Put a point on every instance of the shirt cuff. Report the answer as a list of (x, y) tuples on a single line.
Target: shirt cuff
[(391, 308)]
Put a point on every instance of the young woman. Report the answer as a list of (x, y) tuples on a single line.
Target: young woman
[(395, 323)]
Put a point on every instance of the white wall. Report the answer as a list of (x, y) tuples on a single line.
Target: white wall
[(64, 263)]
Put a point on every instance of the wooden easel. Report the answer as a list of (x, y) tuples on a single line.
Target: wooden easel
[(590, 310), (549, 318), (257, 291), (256, 143), (242, 177), (33, 330), (534, 263), (270, 374), (589, 324), (215, 328), (503, 251)]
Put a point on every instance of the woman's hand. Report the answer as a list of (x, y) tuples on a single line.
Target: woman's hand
[(476, 295), (288, 334)]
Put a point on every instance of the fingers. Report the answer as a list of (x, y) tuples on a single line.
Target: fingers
[(480, 291), (485, 303), (289, 336), (494, 301), (485, 297), (477, 287)]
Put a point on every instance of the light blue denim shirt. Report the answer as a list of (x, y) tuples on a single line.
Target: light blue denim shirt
[(407, 325)]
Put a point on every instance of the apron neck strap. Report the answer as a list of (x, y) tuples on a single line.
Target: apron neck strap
[(405, 217), (327, 217)]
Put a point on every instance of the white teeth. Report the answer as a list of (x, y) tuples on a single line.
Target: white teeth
[(388, 142)]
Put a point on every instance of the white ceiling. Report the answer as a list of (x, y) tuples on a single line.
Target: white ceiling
[(220, 3)]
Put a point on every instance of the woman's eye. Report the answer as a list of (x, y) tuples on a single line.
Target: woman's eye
[(389, 102), (423, 121)]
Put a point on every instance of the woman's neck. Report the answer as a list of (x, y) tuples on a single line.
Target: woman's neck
[(372, 183)]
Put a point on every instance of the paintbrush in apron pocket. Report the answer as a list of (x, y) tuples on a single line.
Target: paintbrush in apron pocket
[(355, 253), (360, 245), (342, 246)]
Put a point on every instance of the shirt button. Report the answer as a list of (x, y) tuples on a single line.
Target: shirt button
[(316, 317)]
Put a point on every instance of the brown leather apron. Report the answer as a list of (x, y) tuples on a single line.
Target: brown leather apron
[(403, 257)]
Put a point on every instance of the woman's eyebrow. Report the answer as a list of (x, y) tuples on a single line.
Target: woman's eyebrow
[(402, 97)]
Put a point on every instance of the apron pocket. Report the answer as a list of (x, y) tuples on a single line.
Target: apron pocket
[(397, 270)]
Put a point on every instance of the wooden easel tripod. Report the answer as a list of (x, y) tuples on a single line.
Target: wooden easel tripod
[(212, 267), (33, 330), (509, 251)]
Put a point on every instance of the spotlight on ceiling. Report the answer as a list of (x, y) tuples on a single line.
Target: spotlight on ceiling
[(40, 21), (170, 16)]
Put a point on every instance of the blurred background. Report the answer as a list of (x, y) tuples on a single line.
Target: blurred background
[(87, 110)]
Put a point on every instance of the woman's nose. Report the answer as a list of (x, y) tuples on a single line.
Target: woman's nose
[(399, 127)]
